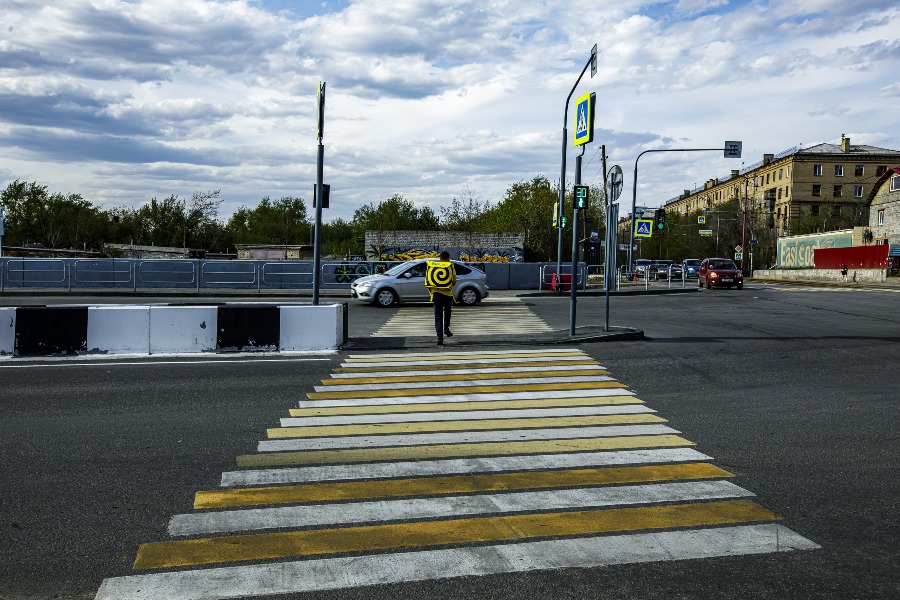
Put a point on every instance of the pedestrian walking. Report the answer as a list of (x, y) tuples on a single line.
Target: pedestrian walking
[(440, 277), (844, 273)]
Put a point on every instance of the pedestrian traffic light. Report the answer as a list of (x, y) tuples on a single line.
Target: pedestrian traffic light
[(661, 219), (565, 222)]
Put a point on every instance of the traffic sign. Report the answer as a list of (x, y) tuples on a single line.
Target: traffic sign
[(738, 249), (737, 256), (581, 196), (701, 220), (556, 214), (754, 241), (584, 119), (705, 232), (614, 181), (733, 149), (643, 228)]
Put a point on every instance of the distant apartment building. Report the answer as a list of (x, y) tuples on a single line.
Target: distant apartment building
[(800, 190)]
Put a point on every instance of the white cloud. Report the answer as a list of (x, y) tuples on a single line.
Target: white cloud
[(121, 101)]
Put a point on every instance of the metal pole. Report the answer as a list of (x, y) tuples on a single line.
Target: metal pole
[(575, 214), (562, 173), (320, 188), (610, 252)]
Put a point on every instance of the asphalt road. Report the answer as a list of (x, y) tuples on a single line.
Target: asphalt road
[(793, 390)]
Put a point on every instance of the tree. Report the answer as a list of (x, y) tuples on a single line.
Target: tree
[(34, 215), (465, 215), (527, 206), (283, 221), (394, 214)]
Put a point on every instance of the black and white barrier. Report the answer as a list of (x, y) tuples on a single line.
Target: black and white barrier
[(158, 329)]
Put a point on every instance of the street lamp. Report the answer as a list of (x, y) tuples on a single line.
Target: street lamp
[(592, 63), (731, 150)]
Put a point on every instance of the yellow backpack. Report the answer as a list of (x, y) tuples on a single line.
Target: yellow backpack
[(439, 277)]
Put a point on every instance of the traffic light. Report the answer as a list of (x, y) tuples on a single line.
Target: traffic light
[(661, 219)]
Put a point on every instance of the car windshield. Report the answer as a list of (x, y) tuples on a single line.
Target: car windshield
[(396, 269), (692, 262), (722, 264)]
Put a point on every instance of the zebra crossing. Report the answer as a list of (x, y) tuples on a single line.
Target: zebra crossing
[(491, 316), (416, 466)]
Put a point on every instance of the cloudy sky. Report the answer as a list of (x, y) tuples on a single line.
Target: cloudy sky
[(121, 101)]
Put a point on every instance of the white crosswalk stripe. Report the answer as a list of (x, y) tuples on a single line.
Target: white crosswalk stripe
[(491, 316)]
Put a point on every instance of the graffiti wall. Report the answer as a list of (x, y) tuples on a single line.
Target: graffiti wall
[(798, 252), (473, 248)]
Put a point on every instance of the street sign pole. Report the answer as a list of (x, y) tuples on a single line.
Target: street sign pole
[(320, 172), (592, 63), (575, 214)]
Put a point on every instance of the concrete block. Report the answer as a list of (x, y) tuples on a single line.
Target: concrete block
[(182, 329), (7, 331), (311, 327), (119, 329)]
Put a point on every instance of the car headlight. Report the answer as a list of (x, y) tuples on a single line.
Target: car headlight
[(713, 274), (364, 285)]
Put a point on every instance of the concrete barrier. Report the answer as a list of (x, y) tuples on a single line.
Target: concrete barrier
[(7, 331), (150, 329), (119, 329)]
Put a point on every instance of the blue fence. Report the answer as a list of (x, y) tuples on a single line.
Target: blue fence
[(185, 275)]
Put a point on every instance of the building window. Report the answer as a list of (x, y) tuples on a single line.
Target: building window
[(767, 178), (835, 210), (838, 170), (859, 171), (857, 191), (780, 174), (779, 193), (895, 183), (881, 217), (817, 170), (788, 171), (837, 191), (817, 190), (880, 170), (814, 210)]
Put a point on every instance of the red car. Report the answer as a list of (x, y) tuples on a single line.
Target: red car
[(720, 272)]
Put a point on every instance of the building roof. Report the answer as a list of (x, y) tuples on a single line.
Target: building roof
[(859, 149), (877, 185)]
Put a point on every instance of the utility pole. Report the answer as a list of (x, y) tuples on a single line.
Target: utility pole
[(320, 172)]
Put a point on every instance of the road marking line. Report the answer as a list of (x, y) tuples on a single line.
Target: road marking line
[(481, 354), (412, 365), (463, 466), (461, 406), (453, 484), (318, 575), (453, 390), (625, 418), (404, 453), (72, 361), (467, 397), (472, 369), (445, 507), (475, 415), (287, 544), (459, 437), (412, 383), (510, 373)]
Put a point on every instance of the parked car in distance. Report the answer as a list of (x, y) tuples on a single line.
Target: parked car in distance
[(660, 269), (691, 267), (720, 272), (641, 265), (406, 283)]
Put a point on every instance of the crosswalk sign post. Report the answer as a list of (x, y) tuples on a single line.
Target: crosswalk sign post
[(584, 119), (643, 228)]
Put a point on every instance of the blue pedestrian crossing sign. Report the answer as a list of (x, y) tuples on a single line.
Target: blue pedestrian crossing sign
[(643, 228), (584, 119)]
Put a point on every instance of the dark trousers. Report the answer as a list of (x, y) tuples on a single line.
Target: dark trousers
[(442, 311)]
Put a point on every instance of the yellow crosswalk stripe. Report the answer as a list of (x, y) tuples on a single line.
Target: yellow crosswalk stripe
[(509, 375), (312, 431), (380, 409), (317, 457), (447, 485), (486, 389), (421, 534)]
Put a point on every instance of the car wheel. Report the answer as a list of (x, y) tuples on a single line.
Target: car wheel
[(469, 296), (740, 286), (385, 297)]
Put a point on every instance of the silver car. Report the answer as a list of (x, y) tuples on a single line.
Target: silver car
[(406, 283)]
